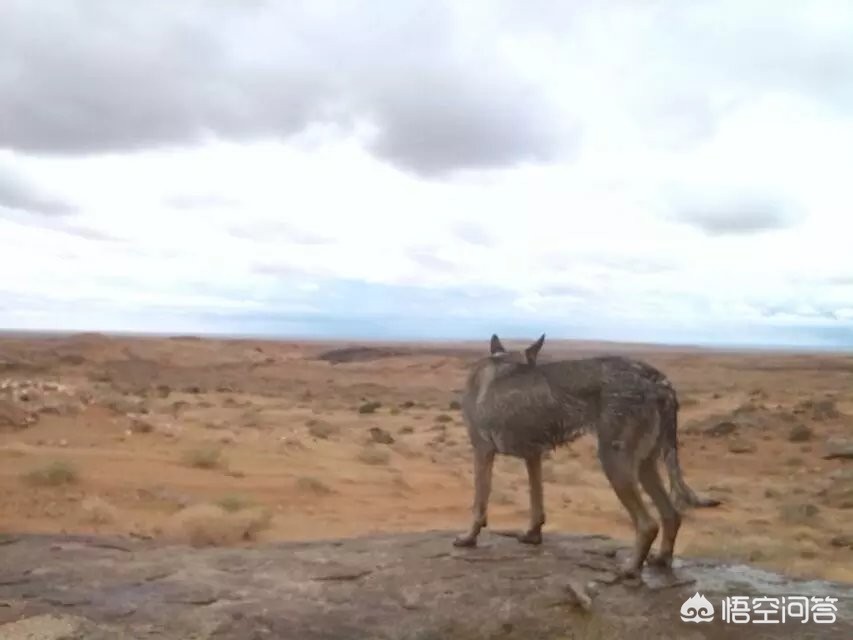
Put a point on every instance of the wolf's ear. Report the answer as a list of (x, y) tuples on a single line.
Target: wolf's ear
[(495, 345), (532, 351)]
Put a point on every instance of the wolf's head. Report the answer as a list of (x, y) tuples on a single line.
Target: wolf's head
[(501, 363), (498, 353), (501, 369)]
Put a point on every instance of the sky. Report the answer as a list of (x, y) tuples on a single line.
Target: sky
[(635, 170)]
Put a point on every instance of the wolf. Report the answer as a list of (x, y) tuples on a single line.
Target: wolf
[(516, 407)]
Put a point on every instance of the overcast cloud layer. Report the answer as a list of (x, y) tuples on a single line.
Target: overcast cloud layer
[(669, 171)]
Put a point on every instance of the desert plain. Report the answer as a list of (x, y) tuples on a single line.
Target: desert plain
[(212, 441)]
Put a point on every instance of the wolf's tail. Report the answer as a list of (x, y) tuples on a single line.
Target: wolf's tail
[(682, 495)]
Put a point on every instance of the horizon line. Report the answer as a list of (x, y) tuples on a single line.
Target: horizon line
[(284, 337)]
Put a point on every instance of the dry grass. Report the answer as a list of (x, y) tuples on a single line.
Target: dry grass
[(53, 474), (321, 429), (98, 511), (313, 485), (801, 513), (800, 433), (380, 436), (211, 525), (374, 456), (233, 503), (406, 450), (138, 425), (369, 407), (204, 458), (750, 548)]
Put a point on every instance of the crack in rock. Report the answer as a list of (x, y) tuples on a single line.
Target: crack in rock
[(343, 576)]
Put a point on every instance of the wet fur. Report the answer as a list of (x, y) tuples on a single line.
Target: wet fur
[(516, 407)]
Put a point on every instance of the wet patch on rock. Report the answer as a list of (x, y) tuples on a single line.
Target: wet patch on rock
[(388, 587)]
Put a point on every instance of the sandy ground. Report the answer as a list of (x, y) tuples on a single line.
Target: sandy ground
[(231, 442)]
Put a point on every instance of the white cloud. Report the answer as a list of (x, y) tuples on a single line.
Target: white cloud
[(707, 187)]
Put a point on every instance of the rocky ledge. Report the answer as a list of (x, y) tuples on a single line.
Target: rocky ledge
[(383, 587)]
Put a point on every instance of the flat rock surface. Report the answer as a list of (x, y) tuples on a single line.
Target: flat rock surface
[(384, 587)]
